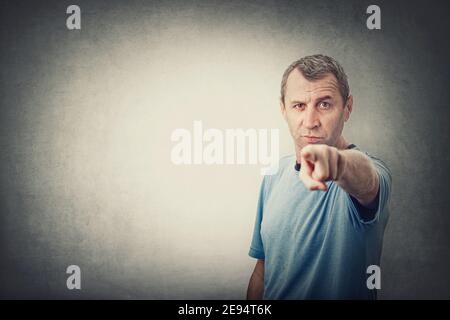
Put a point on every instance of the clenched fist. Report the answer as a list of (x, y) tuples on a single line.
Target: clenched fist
[(320, 163)]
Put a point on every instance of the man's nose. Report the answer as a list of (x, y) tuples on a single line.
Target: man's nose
[(311, 119)]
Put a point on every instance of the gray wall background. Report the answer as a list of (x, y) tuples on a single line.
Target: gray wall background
[(86, 118)]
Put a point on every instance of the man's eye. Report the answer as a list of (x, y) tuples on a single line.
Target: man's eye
[(324, 105), (298, 106)]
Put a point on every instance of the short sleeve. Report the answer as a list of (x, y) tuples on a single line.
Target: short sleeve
[(256, 248), (378, 209)]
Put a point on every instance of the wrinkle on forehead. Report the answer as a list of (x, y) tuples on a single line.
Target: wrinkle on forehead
[(305, 89), (328, 85)]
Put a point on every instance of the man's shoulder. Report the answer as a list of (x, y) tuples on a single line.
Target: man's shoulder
[(283, 164), (380, 166), (280, 169), (286, 161), (377, 160)]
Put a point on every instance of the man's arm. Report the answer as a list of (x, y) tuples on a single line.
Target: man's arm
[(255, 289), (352, 170), (359, 177)]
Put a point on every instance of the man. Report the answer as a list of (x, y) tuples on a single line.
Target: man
[(321, 218)]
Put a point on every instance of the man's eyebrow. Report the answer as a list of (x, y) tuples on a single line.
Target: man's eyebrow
[(296, 102), (324, 98), (318, 99)]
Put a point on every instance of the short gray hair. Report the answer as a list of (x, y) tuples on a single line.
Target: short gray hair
[(316, 67)]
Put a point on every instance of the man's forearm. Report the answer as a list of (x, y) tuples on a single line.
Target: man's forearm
[(255, 289), (359, 177)]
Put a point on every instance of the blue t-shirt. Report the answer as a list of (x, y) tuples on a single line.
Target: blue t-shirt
[(316, 244)]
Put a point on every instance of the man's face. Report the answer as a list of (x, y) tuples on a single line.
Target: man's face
[(314, 110)]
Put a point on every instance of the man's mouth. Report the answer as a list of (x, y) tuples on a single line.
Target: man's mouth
[(312, 139)]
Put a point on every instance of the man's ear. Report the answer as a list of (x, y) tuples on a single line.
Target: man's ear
[(348, 108), (282, 108)]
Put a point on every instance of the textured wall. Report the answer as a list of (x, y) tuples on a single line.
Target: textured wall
[(86, 119)]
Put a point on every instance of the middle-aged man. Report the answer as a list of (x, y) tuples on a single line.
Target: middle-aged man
[(321, 218)]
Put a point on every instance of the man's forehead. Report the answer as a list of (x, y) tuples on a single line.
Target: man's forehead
[(297, 86)]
